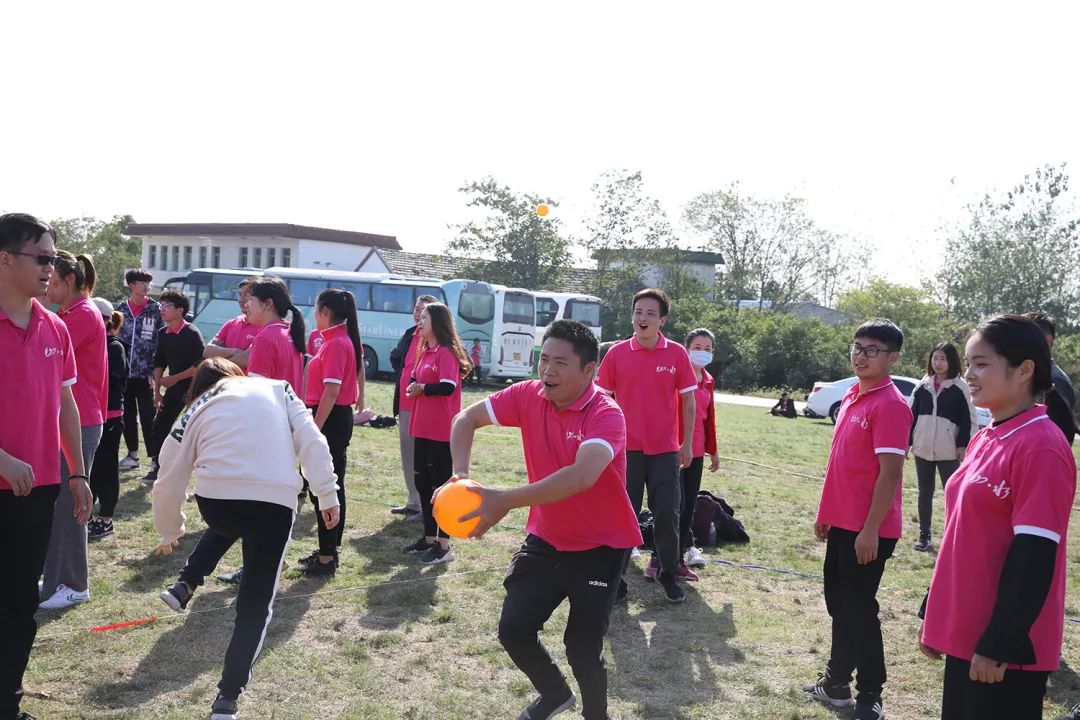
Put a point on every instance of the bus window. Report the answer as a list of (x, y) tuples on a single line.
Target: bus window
[(477, 304), (392, 298), (435, 292), (360, 291), (519, 308), (547, 311), (587, 312), (305, 291)]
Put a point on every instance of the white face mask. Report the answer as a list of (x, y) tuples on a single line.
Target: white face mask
[(700, 358)]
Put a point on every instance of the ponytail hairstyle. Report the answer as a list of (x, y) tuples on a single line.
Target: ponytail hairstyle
[(342, 308), (114, 322), (1017, 339), (79, 265), (274, 290), (442, 326), (208, 374)]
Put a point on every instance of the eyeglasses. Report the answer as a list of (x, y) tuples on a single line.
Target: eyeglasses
[(168, 305), (41, 259), (869, 352)]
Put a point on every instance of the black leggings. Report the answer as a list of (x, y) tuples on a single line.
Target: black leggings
[(434, 466), (105, 474), (263, 530), (138, 412), (691, 484), (338, 431)]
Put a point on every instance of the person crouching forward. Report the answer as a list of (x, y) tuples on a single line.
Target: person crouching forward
[(238, 434)]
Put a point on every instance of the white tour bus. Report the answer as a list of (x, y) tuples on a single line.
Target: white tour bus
[(552, 306)]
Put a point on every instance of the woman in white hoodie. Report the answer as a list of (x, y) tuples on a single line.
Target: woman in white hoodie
[(241, 437)]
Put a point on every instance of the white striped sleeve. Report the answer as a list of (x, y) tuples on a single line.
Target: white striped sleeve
[(491, 412), (889, 451), (1037, 532), (68, 383), (685, 390), (600, 441), (334, 381), (448, 380)]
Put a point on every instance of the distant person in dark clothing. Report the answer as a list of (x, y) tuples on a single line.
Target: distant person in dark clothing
[(784, 407), (1062, 384)]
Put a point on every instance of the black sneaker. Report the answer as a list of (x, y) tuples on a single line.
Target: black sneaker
[(25, 716), (923, 545), (320, 569), (420, 546), (868, 706), (672, 591), (311, 557), (234, 577), (223, 709), (151, 477), (833, 694), (623, 593), (403, 510), (543, 709), (1074, 714), (177, 596), (98, 528), (437, 554)]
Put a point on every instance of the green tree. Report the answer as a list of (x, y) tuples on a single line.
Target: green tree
[(112, 252), (1018, 252), (512, 245)]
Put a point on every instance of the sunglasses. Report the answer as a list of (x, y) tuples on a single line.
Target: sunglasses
[(41, 259)]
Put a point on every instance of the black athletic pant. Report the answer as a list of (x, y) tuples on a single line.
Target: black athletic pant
[(1018, 697), (138, 412), (924, 470), (105, 474), (851, 599), (691, 484), (263, 530), (540, 578), (338, 431), (25, 525), (171, 407), (434, 466), (661, 475)]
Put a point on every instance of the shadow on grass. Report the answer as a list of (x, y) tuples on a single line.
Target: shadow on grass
[(196, 644), (1064, 686), (135, 501), (153, 572), (670, 668), (390, 605)]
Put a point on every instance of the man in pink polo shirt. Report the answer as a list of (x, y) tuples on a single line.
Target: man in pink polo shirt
[(859, 518), (581, 525), (653, 381), (40, 418), (233, 340)]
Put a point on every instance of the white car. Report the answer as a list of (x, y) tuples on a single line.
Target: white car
[(824, 399)]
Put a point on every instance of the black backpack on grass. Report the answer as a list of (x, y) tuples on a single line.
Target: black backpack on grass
[(715, 523)]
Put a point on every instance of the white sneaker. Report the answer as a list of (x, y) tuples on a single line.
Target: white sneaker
[(130, 462), (635, 554), (65, 597), (694, 558)]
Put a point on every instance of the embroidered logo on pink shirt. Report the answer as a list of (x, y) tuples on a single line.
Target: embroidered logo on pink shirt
[(571, 435), (50, 351), (665, 369), (861, 422), (1001, 490)]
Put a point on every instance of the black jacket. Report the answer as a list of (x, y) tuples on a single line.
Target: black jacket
[(397, 361), (118, 370)]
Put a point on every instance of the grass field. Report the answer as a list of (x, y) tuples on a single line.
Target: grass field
[(387, 639)]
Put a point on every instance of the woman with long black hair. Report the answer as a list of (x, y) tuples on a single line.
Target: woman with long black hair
[(943, 422), (435, 387), (105, 472), (66, 578), (277, 352), (330, 391), (996, 604)]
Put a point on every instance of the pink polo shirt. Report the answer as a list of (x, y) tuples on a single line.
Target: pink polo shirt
[(237, 333), (314, 342), (873, 423), (432, 414), (647, 384), (35, 364), (335, 362), (1017, 478), (598, 517), (703, 399), (408, 364), (87, 331), (274, 356)]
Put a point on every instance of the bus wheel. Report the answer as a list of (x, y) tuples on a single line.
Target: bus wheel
[(371, 363)]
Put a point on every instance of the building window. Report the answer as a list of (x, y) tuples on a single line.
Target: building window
[(243, 257), (153, 256), (202, 256), (286, 257), (271, 257), (175, 257), (257, 262), (187, 257), (215, 257)]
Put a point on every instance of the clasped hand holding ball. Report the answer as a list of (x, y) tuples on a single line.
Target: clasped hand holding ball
[(464, 508)]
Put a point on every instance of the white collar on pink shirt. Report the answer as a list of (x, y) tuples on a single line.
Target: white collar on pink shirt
[(72, 306), (661, 343)]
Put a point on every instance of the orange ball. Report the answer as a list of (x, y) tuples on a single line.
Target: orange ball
[(454, 501), (542, 209)]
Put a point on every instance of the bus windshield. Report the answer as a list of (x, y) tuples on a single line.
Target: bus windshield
[(518, 308), (547, 311), (587, 312), (477, 304)]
